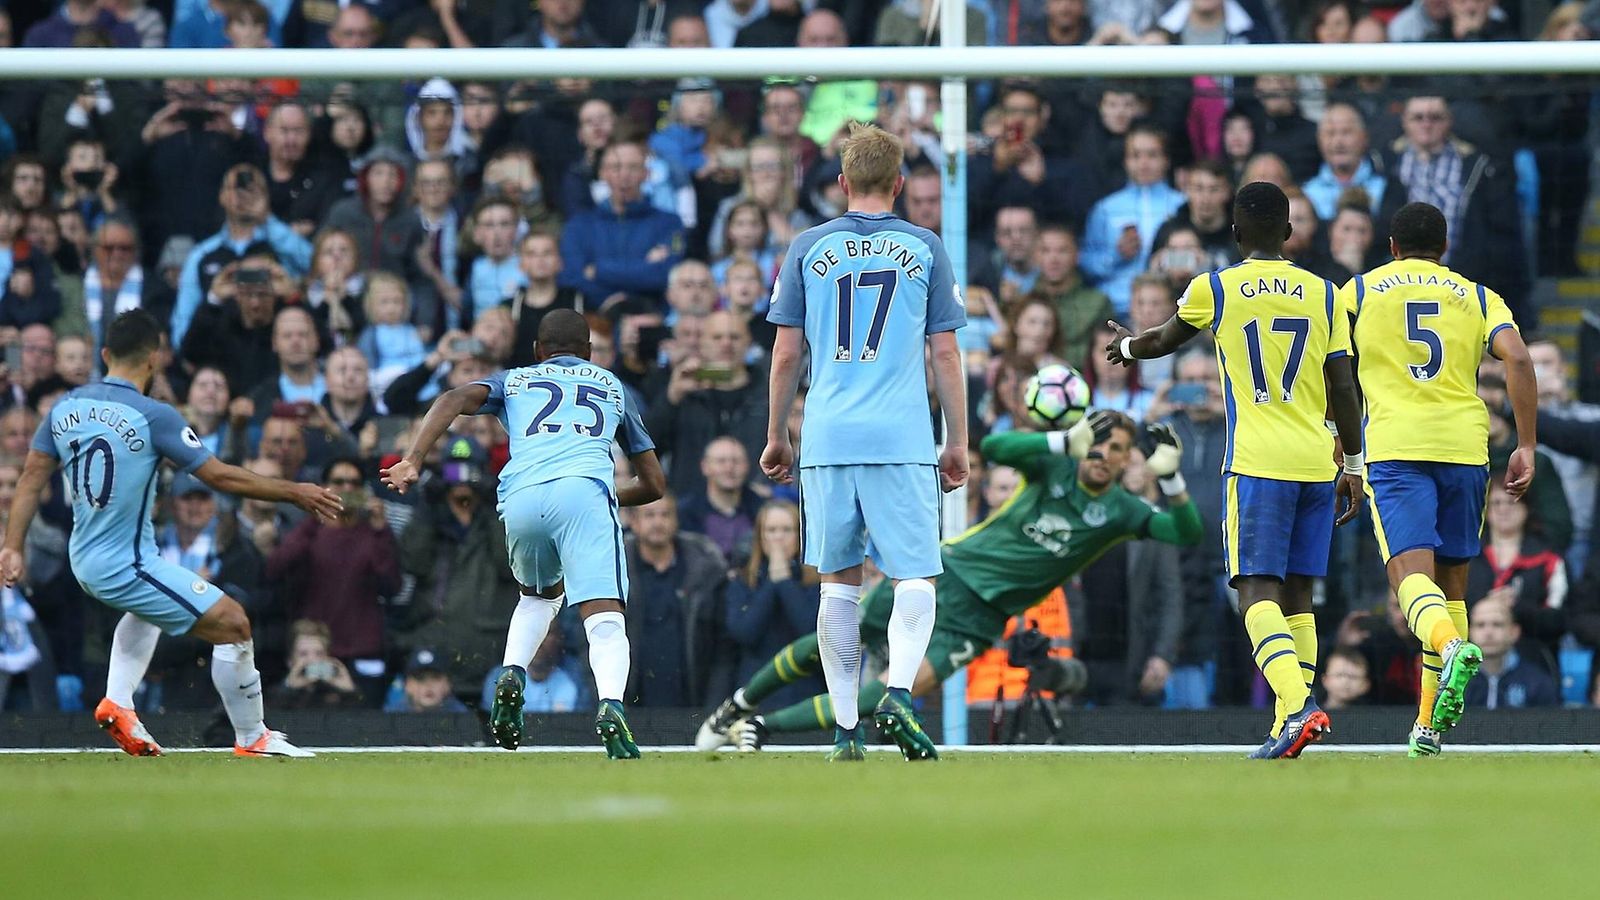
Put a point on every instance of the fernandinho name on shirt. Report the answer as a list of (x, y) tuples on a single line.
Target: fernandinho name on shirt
[(110, 416), (874, 246), (517, 382)]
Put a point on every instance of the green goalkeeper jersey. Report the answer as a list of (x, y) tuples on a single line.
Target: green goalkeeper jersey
[(1052, 528)]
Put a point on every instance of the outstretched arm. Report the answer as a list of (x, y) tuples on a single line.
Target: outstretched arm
[(1153, 344), (242, 482), (461, 401), (1522, 389), (1180, 524), (36, 472)]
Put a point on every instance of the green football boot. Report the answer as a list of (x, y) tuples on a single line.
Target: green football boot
[(848, 745), (898, 720), (1424, 742), (612, 727), (505, 713), (1461, 661)]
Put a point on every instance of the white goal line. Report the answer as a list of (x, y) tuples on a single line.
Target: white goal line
[(983, 750)]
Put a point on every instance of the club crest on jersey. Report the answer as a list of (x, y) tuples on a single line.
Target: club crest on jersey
[(1094, 515), (1050, 531)]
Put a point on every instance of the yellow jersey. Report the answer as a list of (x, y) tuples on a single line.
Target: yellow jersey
[(1420, 332), (1275, 325)]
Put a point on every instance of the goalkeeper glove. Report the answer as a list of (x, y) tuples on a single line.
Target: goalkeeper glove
[(1076, 441), (1163, 451)]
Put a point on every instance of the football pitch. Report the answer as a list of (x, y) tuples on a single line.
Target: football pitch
[(788, 825)]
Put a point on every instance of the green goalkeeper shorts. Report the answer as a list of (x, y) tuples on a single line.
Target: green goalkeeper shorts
[(963, 625)]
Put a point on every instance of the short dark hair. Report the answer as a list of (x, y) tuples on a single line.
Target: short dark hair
[(337, 461), (1125, 422), (133, 335), (1261, 211), (1419, 228), (563, 329)]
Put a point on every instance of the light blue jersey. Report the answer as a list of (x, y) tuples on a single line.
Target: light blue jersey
[(557, 499), (562, 415), (868, 290), (110, 440)]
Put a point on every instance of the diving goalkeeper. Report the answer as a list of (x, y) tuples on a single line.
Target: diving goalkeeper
[(1069, 509)]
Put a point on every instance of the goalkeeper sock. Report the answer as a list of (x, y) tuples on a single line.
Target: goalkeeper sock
[(792, 663), (1274, 654), (807, 715), (132, 645), (839, 636), (817, 712), (1423, 603)]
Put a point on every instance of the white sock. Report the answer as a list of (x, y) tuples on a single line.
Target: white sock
[(132, 645), (839, 639), (233, 673), (529, 624), (910, 629), (608, 653), (741, 702)]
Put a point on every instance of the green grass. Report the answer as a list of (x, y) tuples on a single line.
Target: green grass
[(782, 825)]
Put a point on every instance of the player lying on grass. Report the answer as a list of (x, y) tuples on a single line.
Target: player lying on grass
[(1069, 509), (112, 439), (560, 510)]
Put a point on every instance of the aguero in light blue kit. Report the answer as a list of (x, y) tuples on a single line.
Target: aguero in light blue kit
[(869, 292), (559, 508), (108, 440)]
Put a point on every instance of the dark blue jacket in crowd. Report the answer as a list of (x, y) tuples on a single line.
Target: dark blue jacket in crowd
[(1520, 686), (761, 620), (617, 246)]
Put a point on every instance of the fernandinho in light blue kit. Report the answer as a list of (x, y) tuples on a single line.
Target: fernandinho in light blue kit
[(109, 441), (869, 292), (559, 509)]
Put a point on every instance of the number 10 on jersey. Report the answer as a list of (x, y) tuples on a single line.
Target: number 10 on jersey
[(885, 281)]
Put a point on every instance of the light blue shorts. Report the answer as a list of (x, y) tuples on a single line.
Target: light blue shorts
[(162, 593), (566, 529), (890, 512)]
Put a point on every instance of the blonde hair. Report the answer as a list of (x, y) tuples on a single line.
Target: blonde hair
[(1561, 17), (871, 159), (384, 279), (757, 565)]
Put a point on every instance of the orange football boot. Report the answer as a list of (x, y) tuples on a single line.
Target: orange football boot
[(125, 728)]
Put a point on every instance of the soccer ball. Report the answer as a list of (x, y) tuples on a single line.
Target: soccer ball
[(1056, 397)]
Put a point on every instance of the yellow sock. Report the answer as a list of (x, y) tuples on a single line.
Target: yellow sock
[(1458, 615), (1432, 665), (1423, 603), (1274, 654), (1304, 628)]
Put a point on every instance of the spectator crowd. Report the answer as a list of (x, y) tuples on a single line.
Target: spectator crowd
[(329, 256)]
